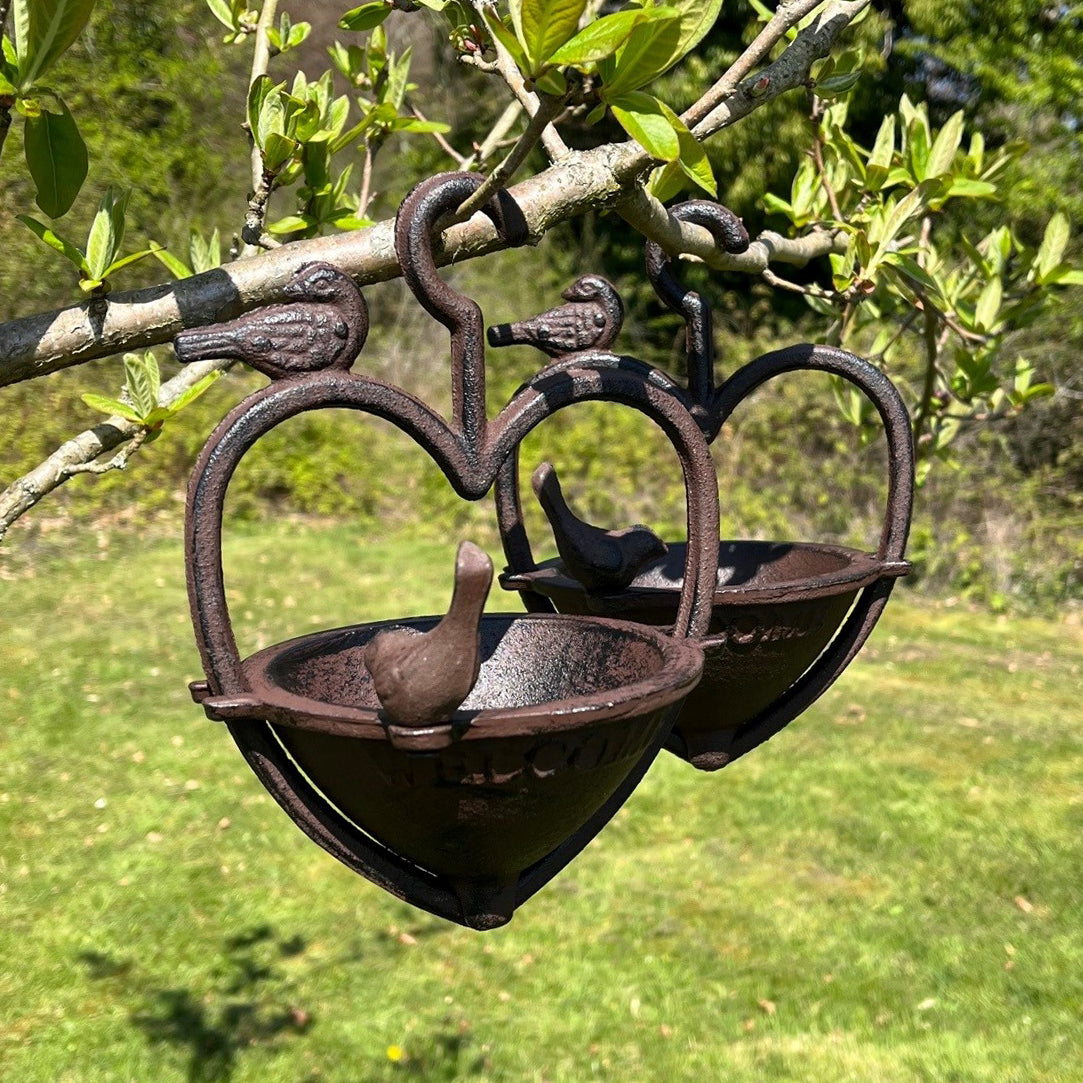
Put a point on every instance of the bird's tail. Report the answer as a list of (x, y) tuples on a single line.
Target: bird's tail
[(204, 344)]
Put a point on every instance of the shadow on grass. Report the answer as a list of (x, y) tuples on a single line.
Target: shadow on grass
[(241, 1003)]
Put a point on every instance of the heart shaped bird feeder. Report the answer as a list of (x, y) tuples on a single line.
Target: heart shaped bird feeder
[(788, 617), (461, 761)]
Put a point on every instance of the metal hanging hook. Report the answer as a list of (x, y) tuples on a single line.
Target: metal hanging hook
[(415, 225), (729, 232)]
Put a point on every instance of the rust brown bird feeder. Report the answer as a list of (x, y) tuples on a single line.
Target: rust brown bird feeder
[(461, 761)]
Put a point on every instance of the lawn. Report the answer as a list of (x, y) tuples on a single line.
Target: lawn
[(889, 890)]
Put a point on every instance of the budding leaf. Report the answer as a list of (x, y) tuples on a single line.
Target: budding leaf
[(68, 250)]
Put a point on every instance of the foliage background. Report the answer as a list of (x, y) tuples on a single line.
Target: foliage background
[(1003, 527)]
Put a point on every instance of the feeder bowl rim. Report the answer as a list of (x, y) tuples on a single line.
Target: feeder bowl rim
[(861, 569), (681, 667)]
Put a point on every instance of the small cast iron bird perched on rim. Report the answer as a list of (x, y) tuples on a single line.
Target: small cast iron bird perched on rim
[(323, 326), (590, 321), (605, 560), (422, 678)]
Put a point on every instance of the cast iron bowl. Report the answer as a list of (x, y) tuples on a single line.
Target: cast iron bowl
[(776, 606), (563, 709)]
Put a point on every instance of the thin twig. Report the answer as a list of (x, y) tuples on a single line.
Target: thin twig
[(818, 161), (496, 139), (79, 454), (809, 290), (921, 418), (117, 462), (444, 145), (262, 181), (366, 183), (788, 15), (547, 109)]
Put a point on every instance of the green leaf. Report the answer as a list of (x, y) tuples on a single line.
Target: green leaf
[(836, 85), (1065, 277), (915, 272), (692, 158), (971, 189), (643, 118), (43, 31), (988, 306), (945, 145), (65, 248), (349, 221), (278, 150), (552, 82), (56, 157), (189, 396), (883, 150), (667, 181), (204, 255), (1054, 242), (290, 224), (505, 36), (258, 93), (599, 39), (106, 233), (365, 17), (697, 18), (111, 407), (127, 261), (7, 87), (645, 55), (170, 262), (223, 13), (918, 134), (142, 381), (412, 124), (546, 25)]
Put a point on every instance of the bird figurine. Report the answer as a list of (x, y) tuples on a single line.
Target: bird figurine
[(324, 326), (602, 560), (590, 321), (422, 678)]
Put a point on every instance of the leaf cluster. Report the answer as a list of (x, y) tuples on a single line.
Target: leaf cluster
[(99, 257), (139, 402), (612, 58), (893, 287)]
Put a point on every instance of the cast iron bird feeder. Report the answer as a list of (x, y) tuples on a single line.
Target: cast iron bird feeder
[(461, 761), (788, 617)]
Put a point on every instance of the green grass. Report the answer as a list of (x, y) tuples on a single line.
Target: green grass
[(890, 890)]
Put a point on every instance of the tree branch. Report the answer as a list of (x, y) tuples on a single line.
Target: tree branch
[(788, 72), (79, 454), (548, 108), (495, 139), (582, 181), (262, 181), (787, 16)]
